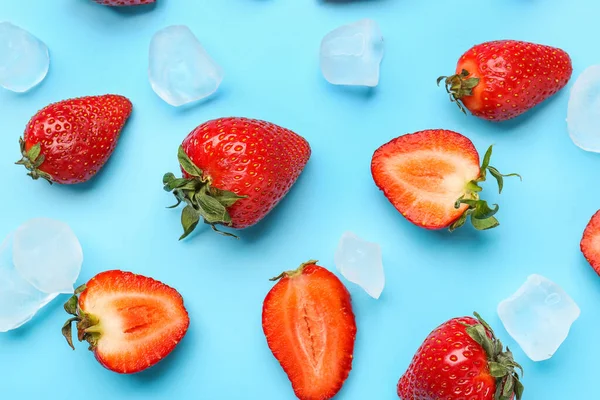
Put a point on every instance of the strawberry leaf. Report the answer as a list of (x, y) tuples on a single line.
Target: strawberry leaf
[(499, 177), (67, 331), (459, 222), (189, 220), (486, 161), (484, 224), (187, 164), (497, 370)]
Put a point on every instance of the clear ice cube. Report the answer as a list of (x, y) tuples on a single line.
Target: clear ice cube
[(360, 262), (19, 300), (539, 316), (47, 254), (351, 54), (583, 112), (180, 70), (24, 59)]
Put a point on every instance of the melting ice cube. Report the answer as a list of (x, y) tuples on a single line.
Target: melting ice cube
[(47, 254), (538, 316), (19, 300), (583, 113), (359, 261), (24, 59), (351, 54), (181, 71)]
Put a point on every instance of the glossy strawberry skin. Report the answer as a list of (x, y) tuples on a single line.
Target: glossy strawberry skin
[(310, 328), (514, 77), (449, 365), (124, 3), (248, 157), (141, 320), (77, 136)]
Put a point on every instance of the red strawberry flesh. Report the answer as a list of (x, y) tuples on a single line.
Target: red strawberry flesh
[(137, 321), (423, 174), (310, 328), (590, 242)]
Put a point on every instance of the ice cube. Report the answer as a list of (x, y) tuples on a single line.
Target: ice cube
[(181, 71), (24, 59), (47, 254), (19, 300), (351, 54), (583, 113), (538, 316), (359, 261)]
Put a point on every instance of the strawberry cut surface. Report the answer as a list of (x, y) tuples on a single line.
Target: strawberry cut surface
[(131, 321), (590, 242), (423, 175), (310, 328)]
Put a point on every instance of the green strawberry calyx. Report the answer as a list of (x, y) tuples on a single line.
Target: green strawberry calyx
[(459, 86), (202, 199), (294, 273), (501, 363), (88, 326), (32, 159), (481, 214)]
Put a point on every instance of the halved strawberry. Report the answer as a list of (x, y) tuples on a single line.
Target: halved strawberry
[(432, 177), (310, 328), (130, 321), (590, 242)]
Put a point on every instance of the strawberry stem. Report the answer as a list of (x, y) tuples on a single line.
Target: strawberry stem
[(481, 214), (459, 86), (32, 159), (202, 200), (88, 326), (293, 273)]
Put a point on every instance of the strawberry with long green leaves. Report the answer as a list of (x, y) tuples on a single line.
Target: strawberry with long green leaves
[(433, 178), (235, 171), (462, 359)]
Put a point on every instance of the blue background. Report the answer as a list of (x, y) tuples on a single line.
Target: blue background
[(269, 51)]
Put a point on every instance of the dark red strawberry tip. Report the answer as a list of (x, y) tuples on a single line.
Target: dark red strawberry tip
[(124, 3)]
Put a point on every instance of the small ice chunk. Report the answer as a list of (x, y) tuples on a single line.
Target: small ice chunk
[(19, 300), (24, 59), (359, 261), (538, 316), (351, 54), (180, 70), (583, 113), (47, 254)]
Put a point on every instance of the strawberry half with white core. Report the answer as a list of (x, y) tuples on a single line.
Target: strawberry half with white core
[(131, 322), (433, 178), (310, 328)]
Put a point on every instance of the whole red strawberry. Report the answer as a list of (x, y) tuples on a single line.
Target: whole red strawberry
[(123, 3), (502, 79), (70, 141), (130, 321), (310, 328), (462, 359), (235, 170)]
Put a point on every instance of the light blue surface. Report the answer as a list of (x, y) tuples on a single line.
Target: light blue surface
[(269, 50)]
